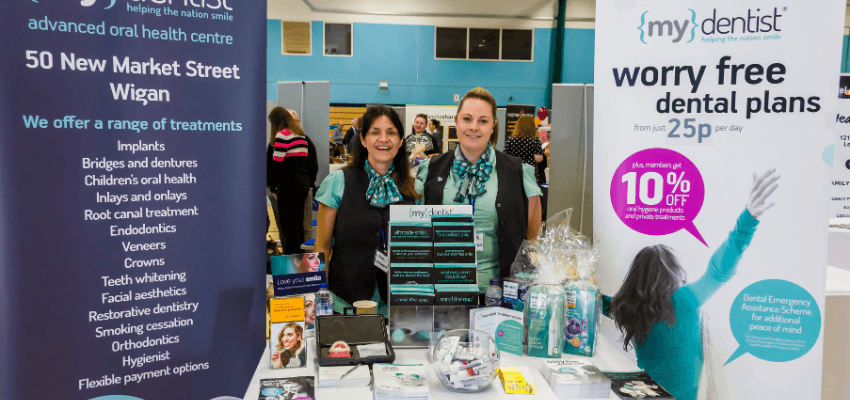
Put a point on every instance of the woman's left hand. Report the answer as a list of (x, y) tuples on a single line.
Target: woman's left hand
[(763, 187)]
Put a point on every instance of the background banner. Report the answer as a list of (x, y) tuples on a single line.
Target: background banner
[(132, 179), (692, 100), (840, 157)]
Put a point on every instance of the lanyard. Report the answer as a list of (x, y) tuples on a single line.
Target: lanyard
[(470, 199), (384, 238)]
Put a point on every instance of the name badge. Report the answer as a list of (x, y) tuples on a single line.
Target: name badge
[(382, 261), (479, 241)]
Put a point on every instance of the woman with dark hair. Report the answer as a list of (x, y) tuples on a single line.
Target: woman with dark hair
[(291, 168), (309, 262), (658, 311), (501, 190), (525, 145), (354, 212), (289, 351)]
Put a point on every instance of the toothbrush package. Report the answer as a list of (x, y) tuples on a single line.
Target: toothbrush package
[(545, 321), (581, 302)]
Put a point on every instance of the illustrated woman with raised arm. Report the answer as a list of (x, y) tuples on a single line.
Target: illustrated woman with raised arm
[(658, 312)]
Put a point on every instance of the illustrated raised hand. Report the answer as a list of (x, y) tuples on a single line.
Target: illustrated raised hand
[(763, 187)]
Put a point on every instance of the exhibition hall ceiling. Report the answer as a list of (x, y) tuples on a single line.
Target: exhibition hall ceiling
[(542, 9)]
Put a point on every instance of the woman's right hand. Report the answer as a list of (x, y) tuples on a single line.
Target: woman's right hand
[(763, 187)]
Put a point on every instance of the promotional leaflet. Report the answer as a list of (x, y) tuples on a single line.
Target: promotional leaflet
[(839, 157), (298, 273), (131, 134), (711, 125)]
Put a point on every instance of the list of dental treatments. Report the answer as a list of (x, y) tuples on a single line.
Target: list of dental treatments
[(132, 133)]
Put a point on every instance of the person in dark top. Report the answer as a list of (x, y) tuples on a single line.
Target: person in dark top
[(352, 133), (436, 132), (501, 190), (354, 212), (525, 145), (291, 169), (420, 136)]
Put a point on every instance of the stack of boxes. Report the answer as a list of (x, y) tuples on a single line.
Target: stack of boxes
[(433, 279), (411, 283), (456, 280)]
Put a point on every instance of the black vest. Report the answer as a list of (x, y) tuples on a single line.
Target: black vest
[(356, 235), (511, 201)]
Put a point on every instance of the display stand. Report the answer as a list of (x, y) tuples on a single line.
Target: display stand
[(607, 358)]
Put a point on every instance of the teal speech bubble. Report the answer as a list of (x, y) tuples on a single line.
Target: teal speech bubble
[(774, 320)]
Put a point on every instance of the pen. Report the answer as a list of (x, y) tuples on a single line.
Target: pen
[(348, 372)]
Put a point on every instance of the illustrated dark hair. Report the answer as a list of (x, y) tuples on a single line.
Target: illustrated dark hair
[(401, 172), (646, 296), (281, 119)]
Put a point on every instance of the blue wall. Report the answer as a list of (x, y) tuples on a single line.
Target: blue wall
[(403, 55), (578, 55)]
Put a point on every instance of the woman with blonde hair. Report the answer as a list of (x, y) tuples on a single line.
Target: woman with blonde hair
[(525, 145), (501, 190), (291, 169)]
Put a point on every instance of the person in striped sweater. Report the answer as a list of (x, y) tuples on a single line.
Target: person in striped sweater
[(291, 168)]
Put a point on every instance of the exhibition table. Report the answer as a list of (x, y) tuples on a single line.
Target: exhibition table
[(607, 357), (836, 370)]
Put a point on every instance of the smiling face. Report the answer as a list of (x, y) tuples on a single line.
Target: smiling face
[(381, 142), (419, 125), (310, 262), (309, 310), (290, 338), (475, 123)]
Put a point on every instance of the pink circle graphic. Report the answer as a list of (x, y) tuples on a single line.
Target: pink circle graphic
[(657, 192)]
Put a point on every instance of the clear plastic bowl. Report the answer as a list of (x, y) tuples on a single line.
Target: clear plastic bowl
[(466, 360)]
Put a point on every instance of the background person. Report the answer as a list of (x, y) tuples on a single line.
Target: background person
[(436, 132), (502, 191), (351, 134), (419, 136), (291, 169), (525, 145), (658, 312), (337, 134), (353, 212)]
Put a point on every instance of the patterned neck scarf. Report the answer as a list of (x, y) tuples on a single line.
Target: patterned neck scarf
[(472, 176), (382, 190)]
